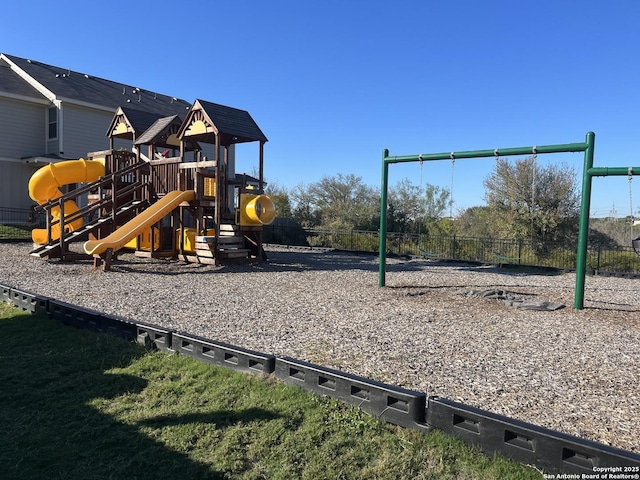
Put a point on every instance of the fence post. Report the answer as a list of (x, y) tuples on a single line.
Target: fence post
[(520, 251)]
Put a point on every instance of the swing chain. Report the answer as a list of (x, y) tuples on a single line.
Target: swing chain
[(630, 176), (534, 159), (635, 242), (421, 193), (453, 162)]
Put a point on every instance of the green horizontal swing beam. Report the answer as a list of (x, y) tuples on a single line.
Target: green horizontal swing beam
[(498, 152), (387, 160), (613, 171)]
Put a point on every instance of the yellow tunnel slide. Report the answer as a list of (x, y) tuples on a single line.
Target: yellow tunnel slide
[(44, 186)]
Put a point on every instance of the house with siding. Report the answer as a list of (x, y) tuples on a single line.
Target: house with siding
[(50, 114)]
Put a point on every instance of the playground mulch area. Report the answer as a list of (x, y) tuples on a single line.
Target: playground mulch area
[(568, 370)]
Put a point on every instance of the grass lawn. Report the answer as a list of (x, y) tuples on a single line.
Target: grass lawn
[(9, 232), (81, 405)]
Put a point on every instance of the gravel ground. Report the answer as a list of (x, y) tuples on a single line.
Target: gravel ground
[(568, 370)]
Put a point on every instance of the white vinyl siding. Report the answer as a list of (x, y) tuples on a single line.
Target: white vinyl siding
[(22, 129), (53, 146), (84, 130), (14, 183)]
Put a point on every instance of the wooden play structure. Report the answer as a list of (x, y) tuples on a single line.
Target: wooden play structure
[(162, 198)]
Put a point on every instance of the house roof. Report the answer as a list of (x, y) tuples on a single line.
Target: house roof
[(47, 83), (75, 87), (12, 84)]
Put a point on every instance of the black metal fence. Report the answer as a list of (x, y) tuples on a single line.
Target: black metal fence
[(16, 223), (460, 248)]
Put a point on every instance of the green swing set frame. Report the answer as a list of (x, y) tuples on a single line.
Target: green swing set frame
[(589, 172)]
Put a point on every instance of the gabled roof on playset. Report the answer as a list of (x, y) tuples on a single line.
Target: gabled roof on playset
[(131, 123), (160, 127), (232, 125), (233, 121), (163, 133)]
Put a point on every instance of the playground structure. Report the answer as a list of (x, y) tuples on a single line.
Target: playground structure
[(172, 202), (589, 172)]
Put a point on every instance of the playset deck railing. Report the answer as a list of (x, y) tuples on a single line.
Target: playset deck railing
[(164, 176), (169, 174)]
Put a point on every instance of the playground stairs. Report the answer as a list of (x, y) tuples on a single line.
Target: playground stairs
[(54, 248), (227, 246), (230, 244), (231, 247)]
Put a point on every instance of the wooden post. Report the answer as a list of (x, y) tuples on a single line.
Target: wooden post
[(261, 168), (108, 255), (175, 218), (219, 166), (61, 228), (180, 242), (114, 205)]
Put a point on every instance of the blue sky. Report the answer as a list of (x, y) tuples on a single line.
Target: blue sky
[(333, 83)]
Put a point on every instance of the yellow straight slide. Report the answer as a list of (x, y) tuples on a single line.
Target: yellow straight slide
[(135, 226)]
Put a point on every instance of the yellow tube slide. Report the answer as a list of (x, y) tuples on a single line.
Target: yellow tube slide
[(256, 209), (43, 186), (135, 226)]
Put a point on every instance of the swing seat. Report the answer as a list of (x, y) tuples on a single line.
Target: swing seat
[(504, 259), (430, 254)]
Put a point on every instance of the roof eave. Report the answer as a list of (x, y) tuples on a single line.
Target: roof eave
[(24, 98), (80, 103), (29, 79)]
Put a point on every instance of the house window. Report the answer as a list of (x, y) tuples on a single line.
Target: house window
[(53, 123)]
